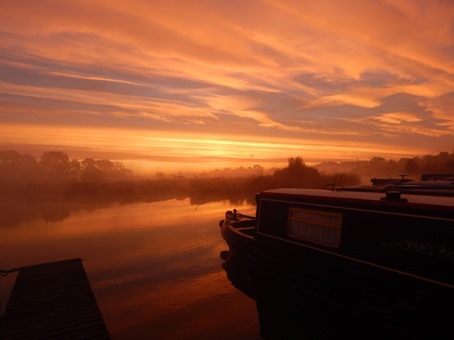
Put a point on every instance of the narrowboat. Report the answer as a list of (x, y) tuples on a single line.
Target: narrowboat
[(390, 249), (287, 311), (429, 184)]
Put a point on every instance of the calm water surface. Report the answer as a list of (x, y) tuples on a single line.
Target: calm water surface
[(156, 272), (154, 267)]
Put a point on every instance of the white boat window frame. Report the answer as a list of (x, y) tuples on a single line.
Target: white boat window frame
[(315, 226)]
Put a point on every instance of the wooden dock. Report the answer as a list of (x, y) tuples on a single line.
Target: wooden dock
[(50, 301)]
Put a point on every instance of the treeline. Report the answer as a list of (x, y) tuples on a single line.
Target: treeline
[(57, 167), (380, 167), (295, 175), (55, 175), (55, 185)]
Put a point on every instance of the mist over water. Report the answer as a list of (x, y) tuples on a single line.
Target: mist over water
[(151, 265), (156, 272), (151, 248)]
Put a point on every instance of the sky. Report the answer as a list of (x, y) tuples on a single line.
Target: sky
[(176, 85)]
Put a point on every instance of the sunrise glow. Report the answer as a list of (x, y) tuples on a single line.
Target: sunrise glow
[(197, 85)]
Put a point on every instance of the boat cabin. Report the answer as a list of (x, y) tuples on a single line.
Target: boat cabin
[(390, 245)]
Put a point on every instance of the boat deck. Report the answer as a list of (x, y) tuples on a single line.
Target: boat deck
[(53, 300), (360, 196)]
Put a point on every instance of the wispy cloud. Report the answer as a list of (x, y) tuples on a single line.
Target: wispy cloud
[(341, 73)]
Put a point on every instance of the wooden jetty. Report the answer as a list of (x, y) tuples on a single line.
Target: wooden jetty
[(50, 301)]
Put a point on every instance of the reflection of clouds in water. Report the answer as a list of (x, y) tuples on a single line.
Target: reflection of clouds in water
[(151, 265)]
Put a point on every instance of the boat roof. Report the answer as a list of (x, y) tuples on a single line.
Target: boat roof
[(361, 196)]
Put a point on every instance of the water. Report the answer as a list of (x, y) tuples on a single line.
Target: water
[(156, 272), (155, 267)]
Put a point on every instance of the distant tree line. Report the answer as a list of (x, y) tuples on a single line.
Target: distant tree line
[(57, 167), (55, 185), (295, 175), (55, 175), (442, 163)]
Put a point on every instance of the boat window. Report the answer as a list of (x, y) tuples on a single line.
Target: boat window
[(315, 226)]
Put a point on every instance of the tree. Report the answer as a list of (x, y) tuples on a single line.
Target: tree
[(16, 168), (103, 170), (89, 171), (412, 167), (56, 165), (298, 174), (258, 170)]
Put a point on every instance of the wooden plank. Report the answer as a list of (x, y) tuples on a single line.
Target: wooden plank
[(53, 300)]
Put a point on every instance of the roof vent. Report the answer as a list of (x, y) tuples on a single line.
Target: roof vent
[(393, 195)]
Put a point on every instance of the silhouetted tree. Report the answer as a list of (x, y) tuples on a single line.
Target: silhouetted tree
[(56, 165), (89, 171), (16, 168), (258, 170), (412, 167), (440, 163), (103, 170), (298, 174)]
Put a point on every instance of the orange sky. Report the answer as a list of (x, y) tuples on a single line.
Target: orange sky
[(172, 85)]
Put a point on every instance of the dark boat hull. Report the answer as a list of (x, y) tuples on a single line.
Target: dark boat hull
[(394, 252), (289, 311)]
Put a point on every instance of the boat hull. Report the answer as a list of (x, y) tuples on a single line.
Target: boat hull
[(395, 252)]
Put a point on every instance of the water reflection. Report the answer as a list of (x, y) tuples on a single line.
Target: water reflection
[(154, 267), (287, 311), (54, 203)]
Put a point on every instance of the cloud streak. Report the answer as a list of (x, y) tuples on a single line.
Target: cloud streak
[(340, 73)]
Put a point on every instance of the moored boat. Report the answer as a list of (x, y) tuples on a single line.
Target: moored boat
[(429, 184), (391, 248)]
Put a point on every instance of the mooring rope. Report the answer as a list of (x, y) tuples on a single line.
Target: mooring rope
[(4, 272)]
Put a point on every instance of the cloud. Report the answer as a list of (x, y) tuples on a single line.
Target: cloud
[(441, 109), (337, 72), (397, 118)]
